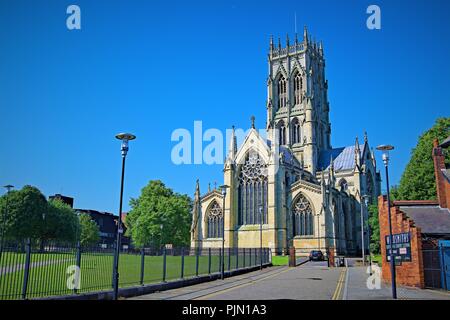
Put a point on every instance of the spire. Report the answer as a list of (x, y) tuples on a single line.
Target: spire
[(233, 145), (365, 137), (271, 43), (296, 38), (215, 185), (357, 152), (287, 40), (197, 190), (279, 43), (321, 48), (305, 34), (252, 118), (209, 187)]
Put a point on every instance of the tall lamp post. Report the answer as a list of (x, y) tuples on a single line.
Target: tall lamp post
[(363, 247), (124, 137), (385, 149), (5, 216), (366, 202), (224, 193), (260, 237)]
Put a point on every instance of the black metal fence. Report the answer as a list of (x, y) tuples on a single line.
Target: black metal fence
[(28, 270)]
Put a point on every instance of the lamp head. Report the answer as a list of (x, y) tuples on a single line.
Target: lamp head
[(224, 189), (8, 187), (125, 137), (385, 148)]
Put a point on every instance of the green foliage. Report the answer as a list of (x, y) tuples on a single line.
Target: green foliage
[(89, 231), (26, 213), (60, 223), (374, 229), (23, 213), (418, 181), (156, 206)]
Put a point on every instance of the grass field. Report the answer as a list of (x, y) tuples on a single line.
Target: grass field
[(48, 272), (280, 260)]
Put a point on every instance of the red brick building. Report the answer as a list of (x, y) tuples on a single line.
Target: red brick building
[(426, 221)]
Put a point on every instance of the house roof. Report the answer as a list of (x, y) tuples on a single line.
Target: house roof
[(430, 219), (343, 158), (445, 143)]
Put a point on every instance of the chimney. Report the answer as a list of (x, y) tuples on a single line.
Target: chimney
[(441, 183)]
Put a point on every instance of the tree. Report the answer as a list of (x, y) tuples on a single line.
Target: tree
[(89, 231), (23, 212), (374, 229), (156, 206), (418, 181), (60, 223)]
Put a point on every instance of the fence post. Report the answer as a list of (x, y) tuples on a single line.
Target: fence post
[(229, 258), (236, 250), (209, 260), (182, 263), (142, 266), (196, 262), (27, 268), (243, 262), (78, 262), (164, 264)]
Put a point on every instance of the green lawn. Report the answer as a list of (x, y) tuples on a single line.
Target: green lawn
[(280, 260), (48, 275)]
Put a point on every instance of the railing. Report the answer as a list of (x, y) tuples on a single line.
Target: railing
[(30, 271)]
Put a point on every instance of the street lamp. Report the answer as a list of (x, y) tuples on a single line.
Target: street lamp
[(260, 236), (161, 226), (8, 187), (363, 247), (366, 201), (385, 149), (224, 193), (124, 137)]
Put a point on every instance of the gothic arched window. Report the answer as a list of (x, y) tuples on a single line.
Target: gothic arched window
[(282, 99), (281, 133), (252, 191), (296, 131), (298, 86), (215, 221), (302, 217)]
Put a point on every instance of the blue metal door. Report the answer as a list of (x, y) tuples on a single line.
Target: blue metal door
[(444, 246)]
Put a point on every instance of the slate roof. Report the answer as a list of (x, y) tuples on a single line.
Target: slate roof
[(430, 219), (343, 158), (445, 143)]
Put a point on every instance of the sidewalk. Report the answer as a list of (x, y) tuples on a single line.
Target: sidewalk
[(356, 289)]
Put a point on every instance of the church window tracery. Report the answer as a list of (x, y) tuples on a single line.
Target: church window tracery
[(252, 191), (215, 221), (302, 217)]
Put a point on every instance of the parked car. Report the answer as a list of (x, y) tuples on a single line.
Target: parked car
[(316, 255)]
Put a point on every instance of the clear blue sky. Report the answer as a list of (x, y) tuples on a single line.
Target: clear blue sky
[(150, 67)]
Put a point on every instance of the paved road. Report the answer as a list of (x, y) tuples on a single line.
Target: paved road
[(356, 288), (312, 280)]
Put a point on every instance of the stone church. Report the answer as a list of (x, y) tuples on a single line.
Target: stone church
[(291, 183)]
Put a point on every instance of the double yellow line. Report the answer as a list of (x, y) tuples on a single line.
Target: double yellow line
[(341, 281)]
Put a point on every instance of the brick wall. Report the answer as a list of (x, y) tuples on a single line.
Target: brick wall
[(442, 185), (409, 273)]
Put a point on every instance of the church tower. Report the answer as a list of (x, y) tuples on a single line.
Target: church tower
[(297, 104)]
